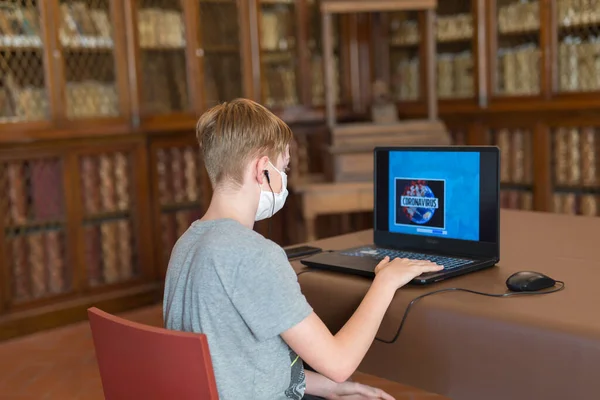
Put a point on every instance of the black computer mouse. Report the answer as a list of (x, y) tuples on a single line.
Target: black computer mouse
[(529, 281)]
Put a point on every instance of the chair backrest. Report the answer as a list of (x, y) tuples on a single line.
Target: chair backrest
[(137, 361)]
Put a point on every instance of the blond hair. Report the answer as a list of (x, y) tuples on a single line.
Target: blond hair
[(232, 133)]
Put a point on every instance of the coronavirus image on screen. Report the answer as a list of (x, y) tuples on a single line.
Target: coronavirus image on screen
[(434, 193), (420, 202)]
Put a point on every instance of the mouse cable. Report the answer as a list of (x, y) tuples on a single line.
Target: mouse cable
[(416, 299), (508, 294)]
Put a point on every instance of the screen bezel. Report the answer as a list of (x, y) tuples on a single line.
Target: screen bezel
[(490, 248)]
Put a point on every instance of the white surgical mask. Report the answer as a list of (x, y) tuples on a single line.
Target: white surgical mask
[(271, 202)]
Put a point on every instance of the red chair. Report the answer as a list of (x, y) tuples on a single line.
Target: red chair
[(143, 362)]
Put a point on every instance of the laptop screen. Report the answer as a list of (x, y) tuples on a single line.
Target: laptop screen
[(444, 195), (434, 193)]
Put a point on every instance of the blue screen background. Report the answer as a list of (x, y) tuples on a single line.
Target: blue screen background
[(460, 170)]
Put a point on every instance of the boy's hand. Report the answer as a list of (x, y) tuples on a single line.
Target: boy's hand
[(357, 391), (399, 271)]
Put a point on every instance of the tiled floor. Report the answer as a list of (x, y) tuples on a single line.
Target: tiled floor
[(61, 365)]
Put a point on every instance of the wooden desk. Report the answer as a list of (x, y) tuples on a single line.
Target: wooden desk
[(470, 347)]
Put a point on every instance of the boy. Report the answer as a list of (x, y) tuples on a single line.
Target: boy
[(230, 283)]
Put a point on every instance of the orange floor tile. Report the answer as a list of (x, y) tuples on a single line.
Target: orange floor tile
[(60, 365)]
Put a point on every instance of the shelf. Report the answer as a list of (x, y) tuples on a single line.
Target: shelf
[(34, 226), (162, 48), (106, 216), (20, 42), (87, 43), (577, 189), (222, 49), (516, 186), (524, 32), (276, 2), (457, 39)]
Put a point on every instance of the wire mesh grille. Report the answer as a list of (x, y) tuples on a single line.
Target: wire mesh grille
[(23, 93), (519, 54), (223, 79), (454, 33), (180, 188), (576, 170), (110, 242), (86, 35), (278, 47), (34, 210), (579, 45), (161, 32), (516, 167), (404, 55)]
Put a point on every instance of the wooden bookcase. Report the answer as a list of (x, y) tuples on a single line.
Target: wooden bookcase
[(99, 100)]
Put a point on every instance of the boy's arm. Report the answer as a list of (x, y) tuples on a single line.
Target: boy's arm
[(337, 357), (318, 385)]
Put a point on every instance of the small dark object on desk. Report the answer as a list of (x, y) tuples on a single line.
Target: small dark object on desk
[(301, 251), (529, 281)]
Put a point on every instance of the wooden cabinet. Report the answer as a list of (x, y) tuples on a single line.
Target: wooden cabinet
[(74, 229)]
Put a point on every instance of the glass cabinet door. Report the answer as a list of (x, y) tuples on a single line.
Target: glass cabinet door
[(578, 38), (455, 44), (405, 45), (315, 48), (518, 51), (24, 97), (277, 27), (163, 79), (89, 63), (220, 41)]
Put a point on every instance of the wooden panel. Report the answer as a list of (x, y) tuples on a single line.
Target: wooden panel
[(360, 6)]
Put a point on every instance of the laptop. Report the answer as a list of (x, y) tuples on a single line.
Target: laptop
[(438, 203)]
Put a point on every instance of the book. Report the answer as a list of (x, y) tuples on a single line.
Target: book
[(589, 205), (589, 157), (561, 161), (107, 183), (18, 254), (190, 158), (37, 264), (17, 192), (93, 255), (90, 182), (177, 174), (55, 262), (110, 261), (163, 171), (47, 190), (574, 157), (125, 250), (503, 141), (122, 173)]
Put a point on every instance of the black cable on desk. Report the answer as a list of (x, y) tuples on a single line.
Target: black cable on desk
[(416, 299), (509, 294)]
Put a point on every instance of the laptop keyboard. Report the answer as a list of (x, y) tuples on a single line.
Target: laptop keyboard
[(378, 254)]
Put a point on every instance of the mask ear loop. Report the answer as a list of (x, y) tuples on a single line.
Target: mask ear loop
[(273, 207)]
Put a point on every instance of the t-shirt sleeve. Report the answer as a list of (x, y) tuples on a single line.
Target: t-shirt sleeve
[(267, 294)]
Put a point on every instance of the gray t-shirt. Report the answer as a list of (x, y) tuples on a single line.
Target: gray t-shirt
[(238, 288)]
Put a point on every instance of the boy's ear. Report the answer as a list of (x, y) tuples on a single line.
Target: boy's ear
[(259, 169)]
